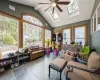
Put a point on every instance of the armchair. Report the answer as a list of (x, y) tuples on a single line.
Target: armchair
[(78, 71)]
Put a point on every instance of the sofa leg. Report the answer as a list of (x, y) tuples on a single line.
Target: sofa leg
[(49, 70)]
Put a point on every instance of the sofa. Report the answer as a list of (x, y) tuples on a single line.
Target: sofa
[(77, 71)]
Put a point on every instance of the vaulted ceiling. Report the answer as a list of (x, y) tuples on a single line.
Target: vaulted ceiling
[(85, 11)]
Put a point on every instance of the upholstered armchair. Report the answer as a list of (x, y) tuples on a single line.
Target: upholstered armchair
[(78, 71)]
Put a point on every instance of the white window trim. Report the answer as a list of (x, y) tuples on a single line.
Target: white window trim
[(55, 20), (70, 34), (92, 28), (75, 13)]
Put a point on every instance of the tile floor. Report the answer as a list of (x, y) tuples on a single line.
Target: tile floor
[(36, 70)]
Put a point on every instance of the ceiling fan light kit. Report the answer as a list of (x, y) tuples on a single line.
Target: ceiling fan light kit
[(56, 4)]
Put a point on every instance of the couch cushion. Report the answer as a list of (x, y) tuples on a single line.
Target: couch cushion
[(94, 61), (78, 74), (73, 63), (58, 63)]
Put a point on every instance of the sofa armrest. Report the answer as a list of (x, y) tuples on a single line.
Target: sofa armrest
[(68, 57), (83, 69)]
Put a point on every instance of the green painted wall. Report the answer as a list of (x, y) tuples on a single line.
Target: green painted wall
[(95, 38), (76, 24), (95, 6), (4, 6)]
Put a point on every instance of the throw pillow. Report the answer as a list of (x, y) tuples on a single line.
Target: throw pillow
[(94, 61)]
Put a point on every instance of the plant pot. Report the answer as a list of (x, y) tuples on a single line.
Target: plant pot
[(83, 61), (56, 52), (48, 51)]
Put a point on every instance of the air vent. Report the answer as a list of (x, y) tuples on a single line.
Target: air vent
[(12, 7)]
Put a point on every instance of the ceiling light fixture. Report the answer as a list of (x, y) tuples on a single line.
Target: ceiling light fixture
[(54, 4)]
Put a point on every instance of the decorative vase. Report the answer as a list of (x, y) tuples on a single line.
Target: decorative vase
[(47, 51), (56, 52)]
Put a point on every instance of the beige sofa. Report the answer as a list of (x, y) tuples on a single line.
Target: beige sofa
[(78, 71)]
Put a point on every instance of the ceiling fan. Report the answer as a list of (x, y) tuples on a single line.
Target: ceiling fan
[(55, 4)]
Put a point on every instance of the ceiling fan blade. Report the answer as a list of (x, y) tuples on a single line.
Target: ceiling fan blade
[(59, 8), (44, 3), (53, 10), (63, 3), (47, 9), (56, 0)]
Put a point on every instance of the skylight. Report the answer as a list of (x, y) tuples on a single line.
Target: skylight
[(54, 15), (73, 7)]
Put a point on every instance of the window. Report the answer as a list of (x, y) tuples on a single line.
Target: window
[(32, 20), (73, 8), (67, 36), (80, 35), (54, 16), (95, 20), (47, 36), (98, 26), (32, 34), (8, 33), (92, 25)]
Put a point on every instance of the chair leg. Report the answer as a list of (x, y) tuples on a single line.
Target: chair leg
[(60, 75), (49, 70)]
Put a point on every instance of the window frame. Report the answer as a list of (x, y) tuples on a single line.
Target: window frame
[(42, 27), (70, 32), (51, 16), (78, 10), (15, 18), (85, 34), (92, 23), (44, 35)]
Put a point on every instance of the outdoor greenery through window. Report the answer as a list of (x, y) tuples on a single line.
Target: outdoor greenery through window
[(8, 33), (32, 34), (32, 20), (47, 38)]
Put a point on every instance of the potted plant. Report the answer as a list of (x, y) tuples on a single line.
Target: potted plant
[(84, 54), (48, 41), (56, 49)]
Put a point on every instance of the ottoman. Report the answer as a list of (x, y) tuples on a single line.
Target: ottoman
[(58, 64)]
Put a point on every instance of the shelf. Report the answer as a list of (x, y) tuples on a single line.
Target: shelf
[(9, 64)]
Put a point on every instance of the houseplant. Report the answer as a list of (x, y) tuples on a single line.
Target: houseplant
[(83, 55), (48, 42)]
